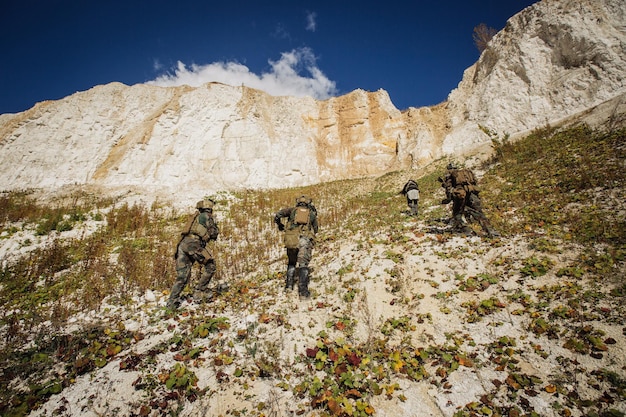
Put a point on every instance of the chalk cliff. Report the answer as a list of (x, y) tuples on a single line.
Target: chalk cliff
[(555, 60)]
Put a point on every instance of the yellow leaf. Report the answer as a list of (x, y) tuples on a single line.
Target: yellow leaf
[(398, 365)]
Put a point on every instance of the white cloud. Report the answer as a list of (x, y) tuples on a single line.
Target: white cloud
[(311, 24), (284, 79)]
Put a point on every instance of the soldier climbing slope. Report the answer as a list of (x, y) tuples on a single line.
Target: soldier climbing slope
[(461, 188), (192, 247), (412, 193), (300, 226)]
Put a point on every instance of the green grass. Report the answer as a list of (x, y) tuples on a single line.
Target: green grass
[(561, 181), (553, 188)]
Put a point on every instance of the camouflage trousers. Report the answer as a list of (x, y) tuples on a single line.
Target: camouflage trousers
[(303, 254), (465, 202), (189, 251)]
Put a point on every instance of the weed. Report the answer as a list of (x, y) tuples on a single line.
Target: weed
[(551, 188), (536, 267)]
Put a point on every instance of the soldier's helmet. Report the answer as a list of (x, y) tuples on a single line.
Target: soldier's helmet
[(206, 204), (303, 200), (451, 166)]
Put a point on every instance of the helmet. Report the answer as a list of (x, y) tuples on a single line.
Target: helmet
[(451, 166), (303, 200), (205, 204)]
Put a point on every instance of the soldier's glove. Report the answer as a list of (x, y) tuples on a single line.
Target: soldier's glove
[(281, 228), (445, 201)]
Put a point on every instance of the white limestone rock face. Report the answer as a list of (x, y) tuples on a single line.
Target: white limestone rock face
[(553, 62), (65, 141), (554, 59), (214, 137)]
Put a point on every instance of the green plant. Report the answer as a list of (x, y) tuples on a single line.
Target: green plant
[(536, 267), (180, 378), (402, 324)]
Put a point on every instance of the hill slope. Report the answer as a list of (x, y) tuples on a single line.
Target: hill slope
[(405, 318)]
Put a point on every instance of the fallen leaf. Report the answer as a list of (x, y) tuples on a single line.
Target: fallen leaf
[(512, 383), (466, 362), (334, 407), (354, 359), (352, 393), (311, 353)]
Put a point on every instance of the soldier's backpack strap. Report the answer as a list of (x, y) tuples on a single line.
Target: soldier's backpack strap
[(187, 228)]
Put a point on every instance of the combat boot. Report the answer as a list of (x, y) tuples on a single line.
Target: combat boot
[(289, 280), (491, 232), (222, 287), (456, 222), (460, 226), (303, 284), (203, 296), (172, 305)]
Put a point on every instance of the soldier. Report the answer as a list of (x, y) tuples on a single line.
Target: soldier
[(461, 188), (197, 233), (300, 227), (412, 193)]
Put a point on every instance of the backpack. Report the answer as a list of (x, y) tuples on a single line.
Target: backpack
[(299, 218), (193, 226), (187, 228), (301, 215), (464, 176)]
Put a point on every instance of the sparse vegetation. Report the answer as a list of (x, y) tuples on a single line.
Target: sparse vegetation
[(72, 300)]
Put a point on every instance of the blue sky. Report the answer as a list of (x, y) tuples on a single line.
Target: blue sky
[(415, 50)]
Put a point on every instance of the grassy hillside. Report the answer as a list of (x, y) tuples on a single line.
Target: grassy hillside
[(405, 317)]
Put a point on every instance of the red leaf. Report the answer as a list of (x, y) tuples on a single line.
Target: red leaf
[(311, 353), (353, 359), (341, 368)]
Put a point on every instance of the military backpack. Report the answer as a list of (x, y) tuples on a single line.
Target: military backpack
[(187, 228), (193, 226), (301, 215), (464, 176), (299, 219)]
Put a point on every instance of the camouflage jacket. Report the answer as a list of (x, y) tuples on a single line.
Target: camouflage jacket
[(285, 213), (204, 227)]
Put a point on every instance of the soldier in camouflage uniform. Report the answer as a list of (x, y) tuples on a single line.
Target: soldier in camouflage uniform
[(412, 193), (461, 188), (198, 232), (300, 250)]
